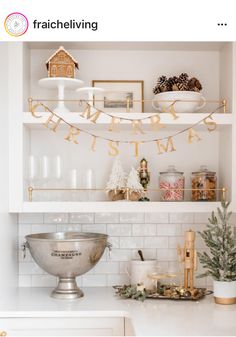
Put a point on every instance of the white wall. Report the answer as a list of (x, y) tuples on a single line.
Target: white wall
[(8, 223)]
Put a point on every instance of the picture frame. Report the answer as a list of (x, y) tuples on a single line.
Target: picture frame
[(120, 95)]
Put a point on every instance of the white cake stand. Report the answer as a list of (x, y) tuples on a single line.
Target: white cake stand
[(61, 84), (90, 92)]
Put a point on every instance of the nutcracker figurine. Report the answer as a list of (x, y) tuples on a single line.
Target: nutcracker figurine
[(188, 256), (144, 177)]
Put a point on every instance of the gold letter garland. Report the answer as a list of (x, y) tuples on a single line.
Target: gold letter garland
[(211, 125), (114, 151), (169, 147), (73, 132), (91, 116), (191, 134), (54, 120)]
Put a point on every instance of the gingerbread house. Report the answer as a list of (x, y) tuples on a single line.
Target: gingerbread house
[(61, 64)]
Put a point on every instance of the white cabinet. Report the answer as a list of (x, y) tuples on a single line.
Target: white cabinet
[(214, 64), (61, 326)]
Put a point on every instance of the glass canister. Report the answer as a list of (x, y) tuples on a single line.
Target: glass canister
[(204, 185), (171, 184)]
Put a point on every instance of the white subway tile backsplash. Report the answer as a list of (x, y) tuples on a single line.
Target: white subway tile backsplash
[(44, 281), (69, 227), (156, 242), (144, 229), (201, 217), (174, 241), (81, 218), (181, 218), (57, 218), (119, 229), (94, 228), (121, 254), (106, 217), (156, 218), (94, 280), (117, 279), (29, 268), (156, 234), (107, 268), (43, 228), (30, 218), (169, 229), (115, 241), (131, 242), (132, 217), (24, 229), (166, 255)]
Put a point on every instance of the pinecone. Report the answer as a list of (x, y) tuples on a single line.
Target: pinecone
[(194, 84), (156, 90), (180, 87), (183, 78), (161, 80), (172, 81), (161, 85)]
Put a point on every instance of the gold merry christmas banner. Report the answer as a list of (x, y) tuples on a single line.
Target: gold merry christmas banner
[(163, 144)]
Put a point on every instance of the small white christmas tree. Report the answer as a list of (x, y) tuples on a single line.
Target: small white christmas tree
[(133, 182), (117, 179)]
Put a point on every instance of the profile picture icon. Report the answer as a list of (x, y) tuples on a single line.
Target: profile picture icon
[(16, 24)]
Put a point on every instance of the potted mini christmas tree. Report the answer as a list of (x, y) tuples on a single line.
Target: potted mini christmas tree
[(220, 263), (117, 182), (134, 190)]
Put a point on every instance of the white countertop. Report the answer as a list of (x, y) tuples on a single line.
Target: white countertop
[(151, 317)]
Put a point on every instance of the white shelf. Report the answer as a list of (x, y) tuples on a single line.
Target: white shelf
[(75, 119), (118, 207)]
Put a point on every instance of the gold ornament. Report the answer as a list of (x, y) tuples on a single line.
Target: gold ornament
[(191, 135), (169, 147), (52, 124), (211, 125), (137, 127), (73, 132), (114, 151)]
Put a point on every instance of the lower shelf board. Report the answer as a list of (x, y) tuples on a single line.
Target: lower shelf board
[(115, 207)]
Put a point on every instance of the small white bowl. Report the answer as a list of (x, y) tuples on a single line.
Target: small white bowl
[(184, 101)]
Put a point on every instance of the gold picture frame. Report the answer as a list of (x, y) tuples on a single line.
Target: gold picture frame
[(120, 95)]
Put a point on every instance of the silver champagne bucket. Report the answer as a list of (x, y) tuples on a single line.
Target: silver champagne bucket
[(66, 255)]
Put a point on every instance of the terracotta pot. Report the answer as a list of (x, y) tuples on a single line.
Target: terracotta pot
[(225, 292)]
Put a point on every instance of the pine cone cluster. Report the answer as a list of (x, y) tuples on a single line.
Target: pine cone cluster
[(177, 83)]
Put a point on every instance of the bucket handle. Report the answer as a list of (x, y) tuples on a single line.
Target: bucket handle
[(24, 246)]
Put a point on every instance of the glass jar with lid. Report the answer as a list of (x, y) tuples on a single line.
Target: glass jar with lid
[(204, 185), (171, 184)]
